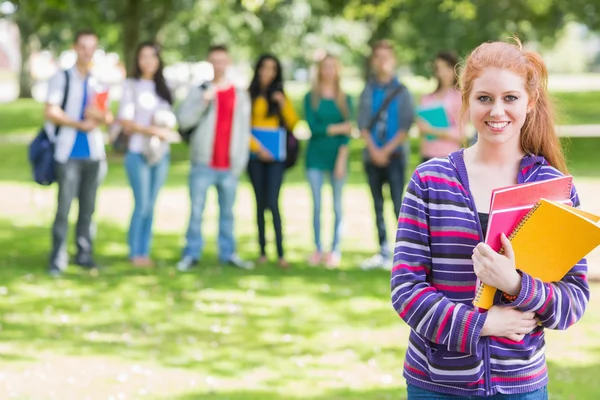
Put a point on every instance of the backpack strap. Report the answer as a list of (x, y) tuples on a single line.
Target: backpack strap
[(385, 105), (64, 102)]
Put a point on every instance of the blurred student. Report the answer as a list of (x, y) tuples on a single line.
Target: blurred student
[(78, 151), (439, 142), (385, 115), (146, 116), (272, 115), (219, 115), (328, 112)]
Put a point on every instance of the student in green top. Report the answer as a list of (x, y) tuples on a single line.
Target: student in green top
[(327, 110)]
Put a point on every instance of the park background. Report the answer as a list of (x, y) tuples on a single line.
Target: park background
[(221, 333)]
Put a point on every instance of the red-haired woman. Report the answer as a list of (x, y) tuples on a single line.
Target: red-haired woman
[(455, 351)]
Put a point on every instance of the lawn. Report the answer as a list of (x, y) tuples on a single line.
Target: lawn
[(216, 332)]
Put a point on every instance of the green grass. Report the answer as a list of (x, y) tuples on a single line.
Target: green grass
[(307, 333)]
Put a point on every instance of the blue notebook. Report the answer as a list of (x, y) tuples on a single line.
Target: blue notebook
[(272, 140), (436, 117)]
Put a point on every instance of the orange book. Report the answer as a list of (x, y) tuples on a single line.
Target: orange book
[(552, 238), (101, 100), (508, 206)]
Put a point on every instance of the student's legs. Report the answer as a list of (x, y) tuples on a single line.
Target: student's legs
[(337, 185), (396, 171), (258, 178), (91, 176), (226, 190), (315, 180), (275, 172), (68, 176), (376, 178), (158, 176), (138, 173), (201, 178)]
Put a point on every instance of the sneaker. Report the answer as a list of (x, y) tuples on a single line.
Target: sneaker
[(333, 259), (315, 258), (85, 261), (186, 263), (376, 262), (54, 270), (237, 262)]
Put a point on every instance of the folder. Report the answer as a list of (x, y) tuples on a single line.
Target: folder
[(273, 140), (101, 100), (435, 116), (508, 206)]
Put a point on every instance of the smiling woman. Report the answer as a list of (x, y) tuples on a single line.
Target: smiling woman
[(455, 350)]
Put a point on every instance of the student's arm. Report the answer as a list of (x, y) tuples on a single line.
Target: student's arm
[(430, 313), (363, 119), (406, 116), (288, 113), (193, 107), (246, 110), (52, 110), (557, 304)]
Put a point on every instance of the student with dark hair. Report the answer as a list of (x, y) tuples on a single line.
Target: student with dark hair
[(147, 117), (78, 151), (272, 114), (439, 142), (219, 115)]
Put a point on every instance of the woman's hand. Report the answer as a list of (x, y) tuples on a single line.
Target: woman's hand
[(495, 269), (424, 126), (264, 155), (279, 97), (509, 323)]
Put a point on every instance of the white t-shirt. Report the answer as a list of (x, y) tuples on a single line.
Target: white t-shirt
[(73, 108), (139, 103)]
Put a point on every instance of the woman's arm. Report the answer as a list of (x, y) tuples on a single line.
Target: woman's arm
[(417, 302)]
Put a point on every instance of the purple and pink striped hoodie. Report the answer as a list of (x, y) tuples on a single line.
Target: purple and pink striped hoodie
[(433, 285)]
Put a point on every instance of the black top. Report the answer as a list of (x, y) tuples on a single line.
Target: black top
[(483, 219)]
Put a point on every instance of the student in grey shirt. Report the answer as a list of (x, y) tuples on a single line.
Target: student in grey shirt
[(79, 152)]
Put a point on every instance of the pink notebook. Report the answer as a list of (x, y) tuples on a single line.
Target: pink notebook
[(509, 205)]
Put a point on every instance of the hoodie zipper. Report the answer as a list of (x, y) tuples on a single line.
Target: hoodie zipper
[(486, 348)]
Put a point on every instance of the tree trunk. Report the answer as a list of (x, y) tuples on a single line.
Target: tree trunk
[(131, 32), (24, 73)]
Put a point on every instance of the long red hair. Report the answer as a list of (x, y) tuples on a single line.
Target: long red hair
[(538, 134)]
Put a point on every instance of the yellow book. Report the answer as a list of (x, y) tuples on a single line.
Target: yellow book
[(548, 242)]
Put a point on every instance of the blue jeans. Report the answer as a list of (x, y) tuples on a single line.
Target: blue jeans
[(315, 179), (202, 177), (393, 175), (266, 179), (145, 180), (416, 393)]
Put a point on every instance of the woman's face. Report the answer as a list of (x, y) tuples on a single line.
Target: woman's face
[(498, 105), (148, 61), (444, 72), (328, 70), (267, 72)]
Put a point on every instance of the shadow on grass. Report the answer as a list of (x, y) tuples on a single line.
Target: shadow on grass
[(202, 319), (374, 394)]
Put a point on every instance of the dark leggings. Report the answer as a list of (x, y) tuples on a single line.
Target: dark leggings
[(266, 179)]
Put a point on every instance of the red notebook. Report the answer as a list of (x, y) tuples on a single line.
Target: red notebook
[(508, 206), (100, 100)]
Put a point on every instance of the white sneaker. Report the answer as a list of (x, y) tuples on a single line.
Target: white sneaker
[(376, 262), (237, 262), (186, 263)]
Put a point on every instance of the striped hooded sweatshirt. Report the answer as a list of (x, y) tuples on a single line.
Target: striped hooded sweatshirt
[(433, 286)]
